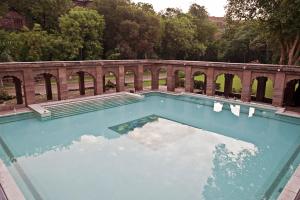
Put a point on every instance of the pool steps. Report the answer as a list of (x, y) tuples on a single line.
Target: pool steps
[(83, 105)]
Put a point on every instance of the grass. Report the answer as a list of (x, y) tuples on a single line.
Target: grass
[(237, 85), (161, 82)]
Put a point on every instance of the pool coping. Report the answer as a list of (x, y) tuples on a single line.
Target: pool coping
[(8, 184), (291, 190), (278, 110)]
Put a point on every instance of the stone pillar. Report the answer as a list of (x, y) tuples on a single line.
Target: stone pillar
[(18, 87), (139, 78), (228, 84), (81, 83), (29, 92), (170, 79), (246, 86), (48, 86), (210, 82), (205, 84), (155, 79), (121, 79), (188, 79), (99, 81), (104, 83), (278, 94), (261, 88), (176, 79), (62, 84)]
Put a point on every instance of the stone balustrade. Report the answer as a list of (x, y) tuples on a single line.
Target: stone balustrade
[(284, 78)]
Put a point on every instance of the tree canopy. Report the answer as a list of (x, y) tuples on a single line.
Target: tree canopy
[(280, 21), (255, 30)]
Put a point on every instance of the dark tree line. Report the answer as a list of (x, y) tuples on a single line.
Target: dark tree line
[(121, 29)]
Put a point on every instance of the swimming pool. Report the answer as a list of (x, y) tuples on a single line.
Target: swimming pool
[(162, 147)]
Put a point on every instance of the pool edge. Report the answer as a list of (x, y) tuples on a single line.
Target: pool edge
[(8, 184), (291, 190)]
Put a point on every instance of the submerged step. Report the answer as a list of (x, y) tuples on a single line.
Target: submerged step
[(67, 108)]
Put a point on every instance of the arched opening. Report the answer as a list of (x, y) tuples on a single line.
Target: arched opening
[(45, 87), (81, 84), (228, 85), (292, 93), (11, 93), (147, 79), (262, 90), (199, 83), (162, 77), (109, 82), (179, 81), (130, 81)]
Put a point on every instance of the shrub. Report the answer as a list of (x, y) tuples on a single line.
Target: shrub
[(4, 96)]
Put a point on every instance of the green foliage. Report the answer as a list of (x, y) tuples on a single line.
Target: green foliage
[(280, 20), (29, 45), (257, 30), (3, 7), (4, 96), (43, 12), (4, 44), (244, 42), (132, 30), (179, 37), (83, 30), (187, 36)]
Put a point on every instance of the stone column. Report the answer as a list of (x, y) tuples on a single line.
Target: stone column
[(121, 79), (103, 78), (62, 84), (18, 87), (261, 88), (81, 83), (176, 79), (139, 78), (210, 82), (205, 84), (170, 79), (246, 86), (155, 79), (29, 92), (48, 86), (228, 84), (99, 81), (278, 93), (188, 79)]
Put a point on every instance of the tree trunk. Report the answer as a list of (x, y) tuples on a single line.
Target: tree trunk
[(282, 53), (290, 51), (294, 51)]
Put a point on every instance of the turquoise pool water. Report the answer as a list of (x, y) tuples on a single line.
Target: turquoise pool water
[(163, 147)]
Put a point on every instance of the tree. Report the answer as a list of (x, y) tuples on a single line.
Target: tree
[(4, 43), (280, 20), (179, 37), (29, 45), (83, 29), (132, 31), (3, 7), (205, 30), (187, 36), (43, 12), (244, 42)]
